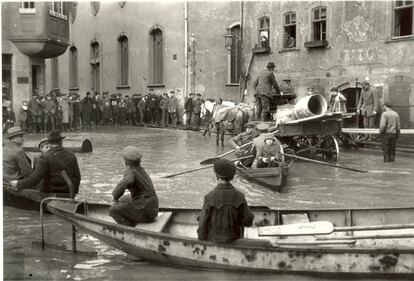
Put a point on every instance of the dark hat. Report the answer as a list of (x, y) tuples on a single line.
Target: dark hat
[(334, 89), (198, 94), (126, 96), (262, 127), (14, 131), (388, 104), (249, 125), (88, 94), (55, 136), (270, 65), (191, 94), (131, 153), (224, 169)]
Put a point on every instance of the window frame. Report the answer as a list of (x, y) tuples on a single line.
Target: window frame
[(151, 55), (234, 72), (289, 25), (319, 21), (393, 26), (58, 11), (95, 52), (55, 73), (73, 68), (123, 81), (261, 29), (29, 10)]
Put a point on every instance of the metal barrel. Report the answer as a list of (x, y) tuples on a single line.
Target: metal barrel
[(309, 106)]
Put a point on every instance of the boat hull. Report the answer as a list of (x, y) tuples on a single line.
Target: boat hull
[(274, 178), (28, 199), (169, 247)]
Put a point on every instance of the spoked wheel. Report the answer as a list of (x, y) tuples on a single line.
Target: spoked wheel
[(303, 145), (330, 148)]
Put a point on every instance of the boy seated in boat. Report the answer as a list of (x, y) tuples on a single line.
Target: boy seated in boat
[(241, 139), (141, 206), (269, 155), (225, 211)]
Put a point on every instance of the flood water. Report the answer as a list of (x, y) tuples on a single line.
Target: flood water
[(166, 152)]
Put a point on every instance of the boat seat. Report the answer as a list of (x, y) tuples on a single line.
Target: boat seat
[(159, 223), (295, 218)]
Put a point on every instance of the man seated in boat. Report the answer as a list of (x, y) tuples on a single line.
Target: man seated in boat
[(54, 169), (16, 164), (270, 154), (225, 211), (241, 139), (44, 147), (141, 206)]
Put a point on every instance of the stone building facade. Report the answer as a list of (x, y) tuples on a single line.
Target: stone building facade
[(337, 43)]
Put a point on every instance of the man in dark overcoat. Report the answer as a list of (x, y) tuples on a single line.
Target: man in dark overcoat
[(368, 105)]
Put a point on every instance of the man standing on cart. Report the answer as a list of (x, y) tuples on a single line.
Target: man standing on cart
[(263, 85)]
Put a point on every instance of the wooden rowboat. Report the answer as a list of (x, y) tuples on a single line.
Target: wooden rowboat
[(362, 242), (28, 199), (273, 178), (73, 145)]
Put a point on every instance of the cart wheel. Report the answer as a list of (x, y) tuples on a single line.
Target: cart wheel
[(303, 146), (330, 148)]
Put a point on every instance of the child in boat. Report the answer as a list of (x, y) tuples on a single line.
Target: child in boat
[(141, 206), (225, 211), (269, 155)]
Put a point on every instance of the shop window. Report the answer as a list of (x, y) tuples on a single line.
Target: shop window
[(403, 18), (319, 24), (123, 61), (73, 68), (264, 32), (289, 36), (156, 56)]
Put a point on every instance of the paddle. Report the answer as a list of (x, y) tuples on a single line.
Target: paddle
[(214, 159), (204, 167), (324, 163), (309, 228)]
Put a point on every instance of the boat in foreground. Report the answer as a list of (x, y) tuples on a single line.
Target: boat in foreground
[(376, 241), (273, 178), (28, 199)]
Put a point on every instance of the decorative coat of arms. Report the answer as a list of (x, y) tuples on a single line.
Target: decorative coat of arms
[(95, 7)]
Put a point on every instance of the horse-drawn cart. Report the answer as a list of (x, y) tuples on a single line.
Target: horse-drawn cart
[(312, 136)]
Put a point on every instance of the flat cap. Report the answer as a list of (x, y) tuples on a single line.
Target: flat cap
[(249, 125), (131, 153), (14, 131), (224, 169), (262, 127)]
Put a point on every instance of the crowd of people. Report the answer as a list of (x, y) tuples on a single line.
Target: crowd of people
[(64, 112)]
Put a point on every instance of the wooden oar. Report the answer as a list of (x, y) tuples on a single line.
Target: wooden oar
[(324, 163), (204, 167), (309, 228), (214, 159)]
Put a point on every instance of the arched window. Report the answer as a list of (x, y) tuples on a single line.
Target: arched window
[(319, 23), (289, 25), (95, 67), (73, 67), (234, 55), (123, 61), (156, 56)]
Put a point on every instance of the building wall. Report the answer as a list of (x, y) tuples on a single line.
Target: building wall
[(360, 48)]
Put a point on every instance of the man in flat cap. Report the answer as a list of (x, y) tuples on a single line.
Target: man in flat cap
[(368, 105), (16, 164), (141, 206), (225, 211), (264, 84), (390, 129), (242, 139), (48, 175)]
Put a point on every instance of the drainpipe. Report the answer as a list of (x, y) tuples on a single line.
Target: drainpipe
[(185, 48), (241, 89)]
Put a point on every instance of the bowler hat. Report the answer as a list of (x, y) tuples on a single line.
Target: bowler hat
[(262, 127), (55, 136), (224, 169), (270, 65), (131, 153), (14, 131)]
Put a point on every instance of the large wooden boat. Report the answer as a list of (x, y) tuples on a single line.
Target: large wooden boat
[(273, 178), (370, 241), (28, 199)]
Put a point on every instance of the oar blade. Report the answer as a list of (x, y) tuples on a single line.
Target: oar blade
[(311, 228), (209, 161)]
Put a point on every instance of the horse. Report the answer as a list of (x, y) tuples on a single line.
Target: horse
[(227, 117)]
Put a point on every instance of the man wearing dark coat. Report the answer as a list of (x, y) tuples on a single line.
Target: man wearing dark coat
[(197, 104), (188, 108), (142, 204), (264, 84), (48, 173), (368, 105), (87, 110), (225, 211), (390, 129)]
